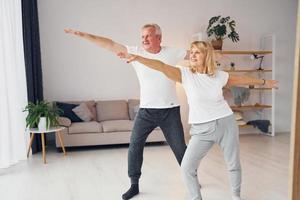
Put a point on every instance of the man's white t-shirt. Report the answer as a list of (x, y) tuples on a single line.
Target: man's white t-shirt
[(205, 95), (156, 90)]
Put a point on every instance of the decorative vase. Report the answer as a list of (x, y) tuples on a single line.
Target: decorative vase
[(42, 123), (217, 44)]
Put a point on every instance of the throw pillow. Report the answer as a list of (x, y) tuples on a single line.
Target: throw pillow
[(67, 111), (133, 105), (63, 121), (135, 110), (92, 107), (238, 116), (83, 112)]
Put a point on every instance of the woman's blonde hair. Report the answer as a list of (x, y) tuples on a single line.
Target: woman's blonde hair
[(209, 60)]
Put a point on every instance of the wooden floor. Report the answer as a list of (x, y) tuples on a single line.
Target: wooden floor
[(101, 174)]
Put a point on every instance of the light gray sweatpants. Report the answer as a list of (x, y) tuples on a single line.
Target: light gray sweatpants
[(222, 131)]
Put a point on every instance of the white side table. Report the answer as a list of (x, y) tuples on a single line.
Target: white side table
[(34, 131)]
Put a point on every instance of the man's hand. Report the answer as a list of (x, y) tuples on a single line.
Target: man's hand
[(74, 32)]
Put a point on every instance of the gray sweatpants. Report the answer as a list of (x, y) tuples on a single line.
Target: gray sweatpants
[(222, 131)]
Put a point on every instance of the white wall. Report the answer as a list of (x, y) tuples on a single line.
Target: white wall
[(76, 69)]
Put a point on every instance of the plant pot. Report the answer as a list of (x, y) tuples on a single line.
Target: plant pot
[(42, 123), (217, 44)]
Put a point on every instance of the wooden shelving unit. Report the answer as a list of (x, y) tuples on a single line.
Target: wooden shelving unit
[(262, 96)]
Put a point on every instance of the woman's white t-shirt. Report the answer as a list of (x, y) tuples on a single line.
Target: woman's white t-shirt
[(156, 90), (205, 95)]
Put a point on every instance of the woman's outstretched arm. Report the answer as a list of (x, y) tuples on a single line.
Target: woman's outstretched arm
[(171, 72)]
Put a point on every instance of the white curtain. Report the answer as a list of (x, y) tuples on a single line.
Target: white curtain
[(13, 91)]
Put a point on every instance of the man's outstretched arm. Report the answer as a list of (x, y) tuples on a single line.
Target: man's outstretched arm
[(103, 42)]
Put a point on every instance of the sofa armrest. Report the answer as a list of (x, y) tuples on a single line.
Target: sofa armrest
[(64, 121)]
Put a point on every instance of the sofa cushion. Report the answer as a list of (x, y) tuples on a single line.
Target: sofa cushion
[(133, 106), (85, 127), (67, 111), (112, 110), (117, 125), (83, 112), (63, 121), (91, 104)]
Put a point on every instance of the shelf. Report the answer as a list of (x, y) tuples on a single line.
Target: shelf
[(251, 126), (228, 88), (260, 88), (243, 52), (246, 126), (247, 70), (250, 107)]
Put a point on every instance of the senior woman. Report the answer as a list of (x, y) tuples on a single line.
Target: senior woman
[(211, 118)]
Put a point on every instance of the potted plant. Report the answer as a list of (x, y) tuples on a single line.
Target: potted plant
[(221, 28), (42, 115)]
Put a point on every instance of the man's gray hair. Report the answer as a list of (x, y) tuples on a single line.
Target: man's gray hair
[(157, 28)]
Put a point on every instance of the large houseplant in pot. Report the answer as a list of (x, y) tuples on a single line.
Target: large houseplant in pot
[(221, 28), (42, 115)]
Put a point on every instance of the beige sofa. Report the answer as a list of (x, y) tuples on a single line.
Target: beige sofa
[(112, 125)]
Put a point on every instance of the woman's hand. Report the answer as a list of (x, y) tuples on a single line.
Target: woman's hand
[(171, 72), (129, 57), (271, 84)]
